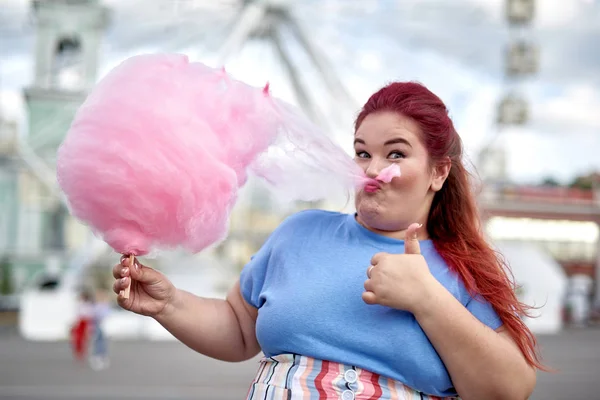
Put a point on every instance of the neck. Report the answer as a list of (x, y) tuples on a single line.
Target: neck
[(394, 234)]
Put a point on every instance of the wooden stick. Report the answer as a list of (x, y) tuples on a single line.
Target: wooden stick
[(125, 292)]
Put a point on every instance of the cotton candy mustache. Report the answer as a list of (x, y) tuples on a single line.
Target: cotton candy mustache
[(385, 176)]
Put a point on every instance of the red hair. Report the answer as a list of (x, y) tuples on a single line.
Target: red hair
[(453, 223)]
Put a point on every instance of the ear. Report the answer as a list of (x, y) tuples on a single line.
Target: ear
[(439, 174)]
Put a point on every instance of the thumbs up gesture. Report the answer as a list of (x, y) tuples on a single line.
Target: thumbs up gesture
[(399, 281)]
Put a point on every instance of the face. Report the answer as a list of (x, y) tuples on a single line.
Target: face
[(384, 138)]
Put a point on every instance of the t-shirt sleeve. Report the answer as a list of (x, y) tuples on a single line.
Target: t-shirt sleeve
[(253, 275), (484, 312)]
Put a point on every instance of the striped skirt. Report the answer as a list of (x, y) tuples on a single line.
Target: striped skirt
[(294, 377)]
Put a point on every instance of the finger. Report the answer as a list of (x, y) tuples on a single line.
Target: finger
[(369, 298), (369, 271), (121, 284), (369, 285), (411, 241), (123, 302), (116, 271), (124, 262), (119, 271), (377, 258), (144, 274)]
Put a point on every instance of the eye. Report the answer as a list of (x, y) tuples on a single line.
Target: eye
[(395, 155), (362, 154)]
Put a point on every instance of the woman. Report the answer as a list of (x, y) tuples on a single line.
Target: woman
[(404, 298)]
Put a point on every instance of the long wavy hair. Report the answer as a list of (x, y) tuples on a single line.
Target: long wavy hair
[(454, 222)]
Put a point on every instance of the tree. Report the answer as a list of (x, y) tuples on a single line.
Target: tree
[(586, 182), (550, 182), (6, 280)]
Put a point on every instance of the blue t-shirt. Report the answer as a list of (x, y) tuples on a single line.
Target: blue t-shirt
[(307, 281)]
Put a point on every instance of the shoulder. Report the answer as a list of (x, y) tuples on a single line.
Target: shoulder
[(306, 224), (452, 281), (445, 274), (310, 218), (433, 257)]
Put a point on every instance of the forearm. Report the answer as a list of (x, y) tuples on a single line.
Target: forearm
[(208, 326), (482, 363)]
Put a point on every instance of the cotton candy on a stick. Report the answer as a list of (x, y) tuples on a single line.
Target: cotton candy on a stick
[(157, 153)]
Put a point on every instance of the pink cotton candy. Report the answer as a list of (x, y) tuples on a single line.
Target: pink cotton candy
[(388, 173), (157, 153)]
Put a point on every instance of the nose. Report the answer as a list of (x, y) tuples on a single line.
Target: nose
[(374, 168)]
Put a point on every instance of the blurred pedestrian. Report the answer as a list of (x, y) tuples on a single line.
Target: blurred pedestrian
[(80, 331), (99, 357)]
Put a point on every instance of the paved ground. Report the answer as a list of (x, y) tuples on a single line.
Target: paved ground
[(159, 370)]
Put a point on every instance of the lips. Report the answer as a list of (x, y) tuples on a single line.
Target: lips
[(372, 187)]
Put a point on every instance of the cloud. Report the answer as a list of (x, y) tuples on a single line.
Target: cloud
[(472, 32), (454, 47), (575, 109), (563, 138), (548, 13), (475, 33), (11, 105), (531, 155)]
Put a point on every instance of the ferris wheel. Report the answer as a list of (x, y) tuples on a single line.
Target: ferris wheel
[(521, 63)]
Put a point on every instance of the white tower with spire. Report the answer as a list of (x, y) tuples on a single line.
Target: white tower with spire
[(68, 38)]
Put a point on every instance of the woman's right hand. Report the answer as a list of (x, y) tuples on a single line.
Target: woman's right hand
[(150, 294)]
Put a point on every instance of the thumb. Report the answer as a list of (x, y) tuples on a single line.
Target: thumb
[(143, 274), (411, 242)]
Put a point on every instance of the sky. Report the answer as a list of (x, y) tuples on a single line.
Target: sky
[(455, 47)]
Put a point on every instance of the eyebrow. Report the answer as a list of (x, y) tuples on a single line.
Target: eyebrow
[(389, 142)]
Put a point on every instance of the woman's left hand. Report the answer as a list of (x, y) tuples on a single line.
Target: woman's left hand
[(400, 281)]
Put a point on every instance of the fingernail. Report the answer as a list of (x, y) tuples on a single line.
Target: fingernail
[(136, 265), (420, 225), (124, 271), (123, 280)]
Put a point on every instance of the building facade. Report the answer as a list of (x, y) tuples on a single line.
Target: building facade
[(36, 232)]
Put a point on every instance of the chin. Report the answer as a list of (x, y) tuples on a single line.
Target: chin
[(370, 211), (377, 222), (375, 215)]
